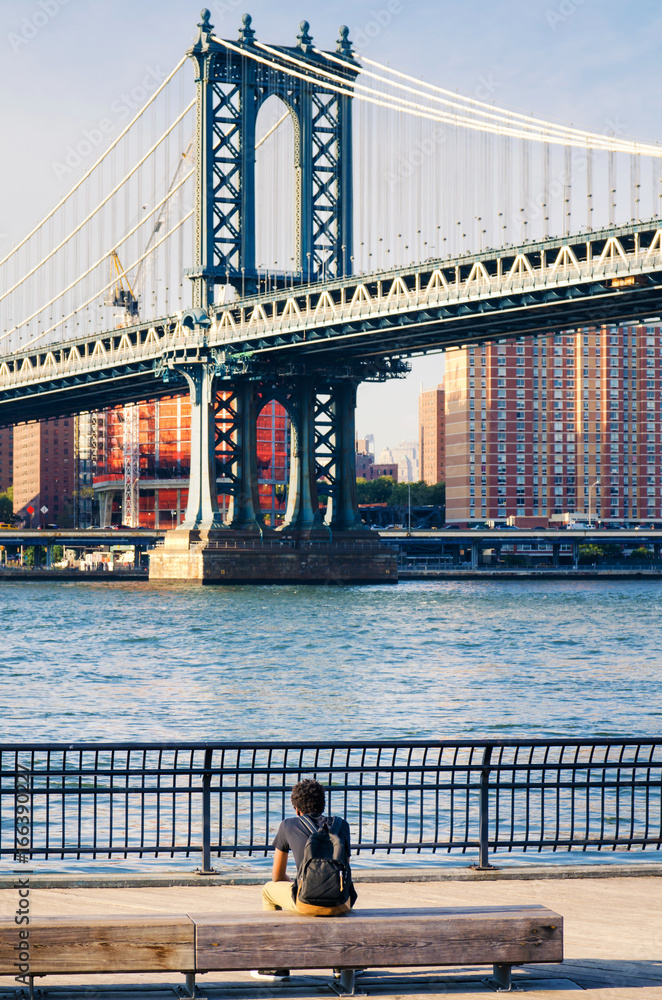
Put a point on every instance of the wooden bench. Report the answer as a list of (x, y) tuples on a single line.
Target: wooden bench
[(501, 936)]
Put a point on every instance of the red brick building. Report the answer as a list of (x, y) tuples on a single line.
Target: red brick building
[(562, 423), (6, 457), (431, 436), (44, 471)]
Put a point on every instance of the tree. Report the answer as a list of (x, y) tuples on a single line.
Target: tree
[(422, 495), (7, 506), (375, 490)]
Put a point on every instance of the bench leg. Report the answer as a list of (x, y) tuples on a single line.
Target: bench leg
[(345, 984), (29, 993), (501, 982), (189, 991)]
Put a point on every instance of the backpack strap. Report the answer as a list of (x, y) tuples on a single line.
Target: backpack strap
[(309, 825)]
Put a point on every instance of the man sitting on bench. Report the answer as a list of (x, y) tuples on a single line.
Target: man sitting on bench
[(321, 848)]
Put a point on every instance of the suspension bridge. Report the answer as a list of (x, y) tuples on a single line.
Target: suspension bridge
[(302, 221)]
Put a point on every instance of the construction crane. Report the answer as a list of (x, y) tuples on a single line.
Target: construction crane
[(120, 294)]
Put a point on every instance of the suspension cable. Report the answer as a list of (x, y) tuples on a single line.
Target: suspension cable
[(110, 284), (100, 261), (95, 165), (429, 113), (101, 204), (495, 113), (272, 129)]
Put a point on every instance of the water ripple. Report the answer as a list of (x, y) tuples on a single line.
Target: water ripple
[(93, 661)]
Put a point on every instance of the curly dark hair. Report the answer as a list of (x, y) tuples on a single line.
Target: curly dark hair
[(308, 797)]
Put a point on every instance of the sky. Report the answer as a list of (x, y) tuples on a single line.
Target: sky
[(63, 62)]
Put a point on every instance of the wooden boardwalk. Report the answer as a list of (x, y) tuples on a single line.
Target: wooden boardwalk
[(613, 939)]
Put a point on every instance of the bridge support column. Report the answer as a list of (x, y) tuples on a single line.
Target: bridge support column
[(575, 555), (302, 516), (202, 513), (474, 555), (556, 551), (244, 514), (343, 510)]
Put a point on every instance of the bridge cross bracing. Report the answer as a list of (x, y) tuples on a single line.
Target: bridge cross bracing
[(311, 330)]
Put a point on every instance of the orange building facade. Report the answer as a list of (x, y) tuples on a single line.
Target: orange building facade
[(164, 432)]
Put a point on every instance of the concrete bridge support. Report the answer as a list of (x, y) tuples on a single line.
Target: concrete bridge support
[(306, 548)]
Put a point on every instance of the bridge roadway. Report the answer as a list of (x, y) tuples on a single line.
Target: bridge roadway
[(564, 536), (77, 538), (362, 322), (485, 538)]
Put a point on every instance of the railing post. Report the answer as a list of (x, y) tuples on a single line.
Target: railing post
[(484, 814), (206, 816)]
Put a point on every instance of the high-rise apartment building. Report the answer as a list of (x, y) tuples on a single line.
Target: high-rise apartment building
[(6, 457), (44, 471), (546, 425), (431, 435)]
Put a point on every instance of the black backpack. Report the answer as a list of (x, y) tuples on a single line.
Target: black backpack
[(324, 877)]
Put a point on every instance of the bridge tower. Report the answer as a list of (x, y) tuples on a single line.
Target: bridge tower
[(231, 88), (227, 392)]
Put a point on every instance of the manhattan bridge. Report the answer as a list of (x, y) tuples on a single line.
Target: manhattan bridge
[(287, 222)]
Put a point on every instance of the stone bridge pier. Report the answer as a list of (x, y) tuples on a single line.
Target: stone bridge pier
[(322, 538)]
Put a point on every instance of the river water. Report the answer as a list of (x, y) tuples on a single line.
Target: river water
[(97, 661), (134, 661)]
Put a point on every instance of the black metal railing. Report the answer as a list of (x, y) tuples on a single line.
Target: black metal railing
[(423, 797)]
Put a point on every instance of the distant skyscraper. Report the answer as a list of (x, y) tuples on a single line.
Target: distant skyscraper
[(431, 435), (405, 456)]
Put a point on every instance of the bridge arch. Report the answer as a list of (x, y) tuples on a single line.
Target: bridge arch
[(277, 190)]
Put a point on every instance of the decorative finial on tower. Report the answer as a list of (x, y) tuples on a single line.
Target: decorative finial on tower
[(246, 33), (205, 25), (344, 46), (203, 38), (305, 40)]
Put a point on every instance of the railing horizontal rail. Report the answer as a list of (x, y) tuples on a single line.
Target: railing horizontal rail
[(138, 800)]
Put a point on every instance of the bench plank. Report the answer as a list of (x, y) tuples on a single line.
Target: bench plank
[(154, 943), (379, 938)]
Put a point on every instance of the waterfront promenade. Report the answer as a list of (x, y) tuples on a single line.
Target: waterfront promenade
[(612, 929)]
